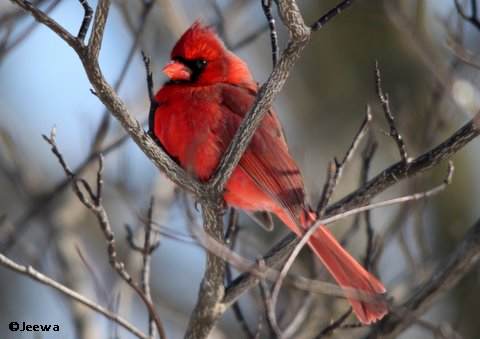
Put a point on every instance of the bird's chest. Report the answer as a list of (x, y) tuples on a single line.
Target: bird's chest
[(188, 127)]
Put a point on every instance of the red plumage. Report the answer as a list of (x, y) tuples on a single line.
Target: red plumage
[(200, 109)]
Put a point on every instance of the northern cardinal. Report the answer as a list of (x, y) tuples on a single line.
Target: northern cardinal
[(199, 110)]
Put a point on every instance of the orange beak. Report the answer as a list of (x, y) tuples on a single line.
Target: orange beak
[(175, 70)]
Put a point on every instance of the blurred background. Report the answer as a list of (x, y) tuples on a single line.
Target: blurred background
[(418, 44)]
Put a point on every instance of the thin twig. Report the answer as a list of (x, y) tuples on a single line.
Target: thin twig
[(8, 45), (279, 252), (334, 325), (148, 248), (367, 157), (444, 278), (270, 310), (43, 18), (151, 96), (94, 203), (332, 13), (399, 171), (230, 239), (87, 18), (43, 279), (137, 33), (45, 199), (383, 97), (473, 17), (320, 223), (336, 168), (267, 11)]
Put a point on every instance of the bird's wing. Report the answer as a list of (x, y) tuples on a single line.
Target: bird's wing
[(266, 160)]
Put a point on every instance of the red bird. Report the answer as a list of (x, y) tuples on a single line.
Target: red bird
[(200, 108)]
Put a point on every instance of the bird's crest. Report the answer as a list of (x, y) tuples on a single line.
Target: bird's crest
[(199, 41)]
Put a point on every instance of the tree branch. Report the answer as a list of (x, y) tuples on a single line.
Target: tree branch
[(99, 21), (367, 192), (400, 170), (447, 275), (43, 18), (43, 279)]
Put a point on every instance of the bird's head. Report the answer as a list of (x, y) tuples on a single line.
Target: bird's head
[(200, 58)]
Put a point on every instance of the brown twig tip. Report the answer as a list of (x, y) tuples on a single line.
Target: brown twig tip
[(384, 101), (87, 19)]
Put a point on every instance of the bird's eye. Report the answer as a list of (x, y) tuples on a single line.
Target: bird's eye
[(200, 64)]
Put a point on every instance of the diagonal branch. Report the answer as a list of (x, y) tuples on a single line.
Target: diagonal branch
[(361, 196), (40, 16), (336, 168), (446, 276), (324, 19), (400, 170), (472, 18), (93, 201), (43, 279)]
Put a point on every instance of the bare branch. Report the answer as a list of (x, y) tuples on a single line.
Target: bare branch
[(320, 223), (43, 279), (102, 129), (337, 167), (230, 239), (367, 157), (399, 170), (46, 199), (50, 23), (446, 276), (328, 187), (334, 325), (8, 45), (94, 204), (472, 18), (99, 21), (389, 116), (148, 248), (270, 306), (290, 247), (87, 18), (267, 10), (331, 14)]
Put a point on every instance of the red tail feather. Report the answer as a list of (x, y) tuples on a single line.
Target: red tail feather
[(349, 273)]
